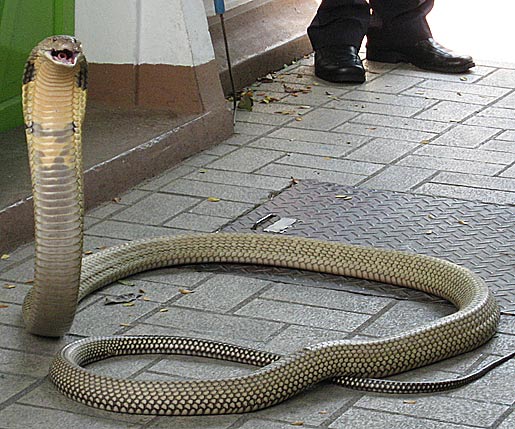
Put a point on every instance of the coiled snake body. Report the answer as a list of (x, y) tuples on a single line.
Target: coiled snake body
[(54, 102)]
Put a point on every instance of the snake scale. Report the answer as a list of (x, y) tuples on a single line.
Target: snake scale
[(54, 99)]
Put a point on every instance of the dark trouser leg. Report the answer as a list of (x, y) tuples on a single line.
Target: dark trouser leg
[(339, 22), (399, 22)]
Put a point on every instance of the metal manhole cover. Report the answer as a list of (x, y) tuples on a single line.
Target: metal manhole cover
[(476, 235)]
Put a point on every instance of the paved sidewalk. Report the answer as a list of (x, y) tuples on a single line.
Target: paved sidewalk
[(405, 130)]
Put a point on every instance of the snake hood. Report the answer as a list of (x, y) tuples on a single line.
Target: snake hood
[(62, 50)]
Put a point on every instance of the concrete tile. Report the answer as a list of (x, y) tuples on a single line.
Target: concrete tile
[(487, 121), (100, 319), (105, 210), (337, 300), (244, 117), (197, 222), (395, 320), (98, 243), (385, 132), (464, 87), (225, 209), (156, 209), (475, 181), (333, 164), (323, 119), (247, 180), (465, 136), (212, 325), (502, 78), (391, 84), (203, 190), (268, 424), (13, 384), (19, 416), (20, 273), (458, 411), (239, 139), (466, 154), (382, 151), (24, 363), (180, 276), (165, 178), (398, 122), (245, 160), (508, 422), (153, 291), (234, 289), (128, 231), (303, 315), (471, 76), (197, 422), (497, 112), (508, 135), (14, 295), (457, 96), (221, 149), (17, 339), (467, 193), (289, 171), (506, 102), (449, 111), (12, 315), (296, 146), (509, 172), (338, 139), (200, 160), (356, 417), (398, 178), (252, 129), (371, 107), (447, 164), (388, 99)]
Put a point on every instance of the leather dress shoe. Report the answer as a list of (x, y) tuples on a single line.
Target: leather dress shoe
[(339, 64), (426, 54)]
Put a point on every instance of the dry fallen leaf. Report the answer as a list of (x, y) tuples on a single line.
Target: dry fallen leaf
[(117, 199), (128, 304), (9, 286), (163, 310), (185, 291), (462, 222), (28, 282), (429, 231), (463, 78), (298, 119), (145, 298), (323, 412), (125, 282), (344, 197), (5, 256), (409, 401), (424, 142), (213, 199), (4, 306), (298, 423), (126, 325), (88, 252)]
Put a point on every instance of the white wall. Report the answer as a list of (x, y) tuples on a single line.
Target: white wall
[(144, 31)]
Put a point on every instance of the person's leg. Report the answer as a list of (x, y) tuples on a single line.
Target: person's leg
[(339, 22), (399, 33), (336, 34)]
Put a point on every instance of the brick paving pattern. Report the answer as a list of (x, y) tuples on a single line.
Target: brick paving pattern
[(405, 130)]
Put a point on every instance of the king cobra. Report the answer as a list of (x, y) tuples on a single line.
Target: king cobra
[(54, 100)]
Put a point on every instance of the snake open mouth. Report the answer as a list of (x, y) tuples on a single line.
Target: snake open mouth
[(64, 56)]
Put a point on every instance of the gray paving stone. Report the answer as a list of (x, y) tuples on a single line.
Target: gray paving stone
[(323, 119), (333, 164), (14, 295), (465, 136), (382, 151), (371, 107), (447, 164), (97, 243), (496, 112), (245, 160), (466, 154), (225, 209), (449, 111), (388, 99), (467, 193), (13, 384), (233, 289), (23, 363), (128, 231), (464, 87), (319, 95), (19, 416), (385, 132), (509, 172), (458, 411), (310, 148), (218, 190), (502, 78), (252, 129), (361, 418), (152, 291), (239, 179), (398, 122), (508, 135), (221, 149), (488, 121), (20, 273), (311, 407), (289, 171), (105, 210), (471, 76), (239, 139), (100, 319), (12, 315), (197, 222), (197, 422), (508, 422), (303, 315), (325, 137), (268, 424), (182, 276), (156, 209), (253, 117), (165, 178), (337, 300), (457, 96), (201, 159), (398, 178), (506, 102), (209, 325), (396, 320), (476, 181), (391, 84), (132, 196)]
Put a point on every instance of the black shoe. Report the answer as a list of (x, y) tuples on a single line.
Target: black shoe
[(426, 54), (339, 64)]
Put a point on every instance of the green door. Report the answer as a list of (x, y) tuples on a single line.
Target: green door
[(23, 23)]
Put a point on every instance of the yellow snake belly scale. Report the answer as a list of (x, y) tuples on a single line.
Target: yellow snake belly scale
[(54, 96)]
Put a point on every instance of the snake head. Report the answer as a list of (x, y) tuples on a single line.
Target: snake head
[(62, 50)]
